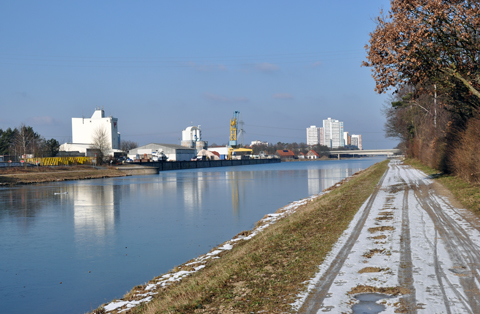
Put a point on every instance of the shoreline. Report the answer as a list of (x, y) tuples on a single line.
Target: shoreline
[(142, 297), (16, 177)]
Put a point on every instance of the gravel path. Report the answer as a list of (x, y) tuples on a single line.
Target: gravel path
[(408, 247)]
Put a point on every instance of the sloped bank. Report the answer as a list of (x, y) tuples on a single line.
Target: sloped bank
[(22, 176), (262, 269)]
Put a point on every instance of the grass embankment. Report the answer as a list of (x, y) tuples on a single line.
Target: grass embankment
[(30, 175), (466, 193), (266, 272)]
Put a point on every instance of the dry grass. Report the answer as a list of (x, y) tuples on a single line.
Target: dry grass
[(31, 175), (372, 252), (388, 290), (382, 228), (371, 270), (379, 237), (266, 272)]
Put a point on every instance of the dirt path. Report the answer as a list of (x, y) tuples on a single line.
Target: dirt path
[(408, 249)]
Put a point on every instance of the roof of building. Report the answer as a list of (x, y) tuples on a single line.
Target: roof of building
[(312, 152), (285, 153), (174, 146)]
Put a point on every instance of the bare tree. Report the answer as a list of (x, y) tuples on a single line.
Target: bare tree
[(25, 140), (100, 141), (128, 145)]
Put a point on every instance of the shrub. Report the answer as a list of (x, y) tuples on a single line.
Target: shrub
[(465, 160)]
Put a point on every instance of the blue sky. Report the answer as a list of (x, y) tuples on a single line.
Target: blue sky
[(160, 66)]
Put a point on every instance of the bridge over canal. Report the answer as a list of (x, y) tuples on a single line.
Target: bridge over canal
[(366, 152)]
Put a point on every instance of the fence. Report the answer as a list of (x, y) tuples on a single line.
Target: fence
[(60, 161)]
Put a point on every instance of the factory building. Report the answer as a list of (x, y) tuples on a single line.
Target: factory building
[(172, 151), (222, 151), (192, 138), (85, 130)]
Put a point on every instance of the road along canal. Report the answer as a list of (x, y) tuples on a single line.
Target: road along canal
[(408, 249)]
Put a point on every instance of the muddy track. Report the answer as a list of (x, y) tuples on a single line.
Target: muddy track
[(460, 247), (405, 277), (422, 253), (315, 300)]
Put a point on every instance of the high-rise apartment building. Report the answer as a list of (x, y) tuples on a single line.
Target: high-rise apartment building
[(346, 139), (321, 135), (333, 133), (313, 135), (357, 141)]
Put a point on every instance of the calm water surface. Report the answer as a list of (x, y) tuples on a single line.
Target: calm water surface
[(69, 247)]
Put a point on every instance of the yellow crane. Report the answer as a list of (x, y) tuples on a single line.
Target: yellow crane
[(232, 144)]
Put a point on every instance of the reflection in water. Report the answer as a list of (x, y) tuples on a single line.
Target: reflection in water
[(94, 211), (192, 187), (23, 201), (321, 179), (46, 238), (314, 176), (192, 190), (238, 181)]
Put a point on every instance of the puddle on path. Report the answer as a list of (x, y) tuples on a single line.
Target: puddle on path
[(368, 305)]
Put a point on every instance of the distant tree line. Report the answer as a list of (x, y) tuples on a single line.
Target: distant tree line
[(297, 148), (24, 140)]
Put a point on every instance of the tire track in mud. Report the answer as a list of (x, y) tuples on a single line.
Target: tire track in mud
[(405, 276), (438, 250), (314, 301), (461, 249)]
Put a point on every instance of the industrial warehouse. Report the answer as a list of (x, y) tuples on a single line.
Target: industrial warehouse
[(99, 136)]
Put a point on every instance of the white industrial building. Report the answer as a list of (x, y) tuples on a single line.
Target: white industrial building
[(172, 151), (192, 138), (222, 151), (333, 133), (85, 130)]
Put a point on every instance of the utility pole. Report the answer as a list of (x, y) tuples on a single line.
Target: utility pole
[(242, 131)]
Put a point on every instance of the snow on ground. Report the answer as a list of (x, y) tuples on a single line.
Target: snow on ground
[(440, 267)]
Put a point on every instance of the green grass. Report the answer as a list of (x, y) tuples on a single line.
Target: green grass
[(266, 272), (466, 193)]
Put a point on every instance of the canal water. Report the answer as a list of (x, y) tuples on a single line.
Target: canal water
[(68, 247)]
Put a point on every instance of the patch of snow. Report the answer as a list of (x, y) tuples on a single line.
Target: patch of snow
[(114, 305)]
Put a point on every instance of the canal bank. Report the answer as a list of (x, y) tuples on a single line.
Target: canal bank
[(260, 270), (143, 168), (19, 175), (116, 233)]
